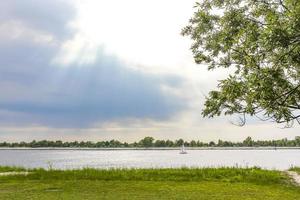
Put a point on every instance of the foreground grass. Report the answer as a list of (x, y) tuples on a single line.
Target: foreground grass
[(295, 169), (206, 183), (11, 169)]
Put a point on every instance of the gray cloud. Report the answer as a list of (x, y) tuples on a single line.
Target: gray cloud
[(49, 16), (33, 91)]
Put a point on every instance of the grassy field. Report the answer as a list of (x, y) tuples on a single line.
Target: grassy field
[(296, 169), (207, 183), (11, 169)]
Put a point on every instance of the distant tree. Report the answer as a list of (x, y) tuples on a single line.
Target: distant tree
[(248, 142), (147, 142), (126, 144), (193, 143), (58, 143), (160, 143), (211, 144), (186, 143), (114, 143), (260, 41), (100, 144), (220, 143), (169, 143), (297, 140), (135, 144), (201, 144), (88, 144), (179, 142)]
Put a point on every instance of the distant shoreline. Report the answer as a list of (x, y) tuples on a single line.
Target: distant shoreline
[(150, 148)]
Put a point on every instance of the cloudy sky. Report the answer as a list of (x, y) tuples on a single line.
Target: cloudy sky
[(98, 70)]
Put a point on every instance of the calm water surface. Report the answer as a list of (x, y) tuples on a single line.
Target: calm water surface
[(62, 159)]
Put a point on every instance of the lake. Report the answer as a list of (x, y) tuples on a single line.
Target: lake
[(67, 159)]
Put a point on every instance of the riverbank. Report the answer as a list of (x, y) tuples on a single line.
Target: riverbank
[(184, 183), (150, 148)]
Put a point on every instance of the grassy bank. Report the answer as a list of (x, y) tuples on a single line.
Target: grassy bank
[(11, 169), (206, 183), (296, 169)]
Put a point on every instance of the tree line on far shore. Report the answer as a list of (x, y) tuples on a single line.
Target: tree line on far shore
[(151, 142)]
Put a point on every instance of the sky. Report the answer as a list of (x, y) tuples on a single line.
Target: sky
[(101, 70)]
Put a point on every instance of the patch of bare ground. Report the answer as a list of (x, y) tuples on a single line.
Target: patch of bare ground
[(14, 173), (295, 176)]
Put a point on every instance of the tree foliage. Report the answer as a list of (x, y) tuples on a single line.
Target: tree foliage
[(149, 142), (260, 41)]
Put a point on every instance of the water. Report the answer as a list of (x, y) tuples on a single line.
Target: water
[(66, 159)]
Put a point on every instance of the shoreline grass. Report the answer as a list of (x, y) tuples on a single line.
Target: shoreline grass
[(11, 169), (187, 183), (295, 169), (226, 174)]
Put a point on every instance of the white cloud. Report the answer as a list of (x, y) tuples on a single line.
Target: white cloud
[(16, 30), (143, 33), (145, 36)]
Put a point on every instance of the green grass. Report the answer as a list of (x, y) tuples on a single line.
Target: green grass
[(296, 169), (11, 169), (206, 183)]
